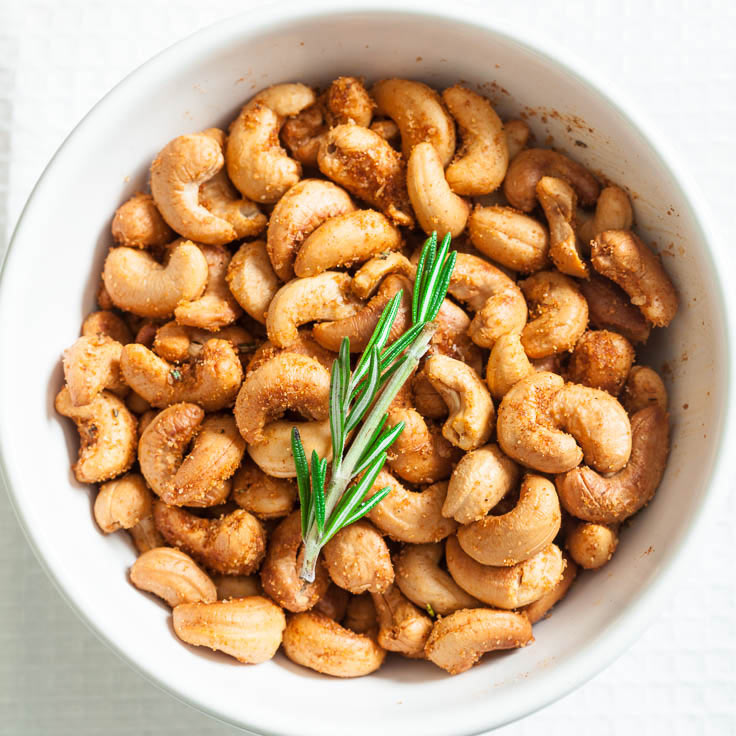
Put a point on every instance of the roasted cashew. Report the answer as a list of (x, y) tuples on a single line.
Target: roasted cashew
[(302, 210), (540, 608), (535, 413), (644, 387), (321, 644), (517, 134), (451, 337), (601, 359), (137, 283), (418, 111), (287, 381), (91, 365), (478, 482), (613, 498), (459, 640), (370, 275), (138, 224), (334, 603), (252, 280), (237, 586), (262, 495), (612, 212), (387, 129), (507, 365), (178, 344), (402, 627), (106, 324), (211, 380), (107, 436), (233, 544), (480, 164), (302, 133), (592, 545), (360, 615), (305, 344), (348, 101), (256, 163), (122, 503), (529, 166), (426, 400), (622, 257), (280, 570), (559, 314)]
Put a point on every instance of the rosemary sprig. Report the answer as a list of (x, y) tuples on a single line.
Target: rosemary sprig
[(359, 400)]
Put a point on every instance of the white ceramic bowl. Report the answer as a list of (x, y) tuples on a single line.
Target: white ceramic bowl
[(48, 286)]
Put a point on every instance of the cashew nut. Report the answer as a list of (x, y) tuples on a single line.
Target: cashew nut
[(540, 608), (517, 134), (252, 280), (360, 615), (122, 503), (237, 586), (145, 535), (262, 495), (601, 359), (305, 344), (91, 365), (451, 337), (302, 133), (612, 212), (387, 129), (507, 365), (178, 344), (107, 324), (370, 275), (402, 627), (644, 387), (592, 545), (348, 101), (333, 603), (138, 224), (426, 400)]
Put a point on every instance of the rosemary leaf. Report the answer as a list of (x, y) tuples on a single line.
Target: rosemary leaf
[(302, 478), (318, 490), (384, 442)]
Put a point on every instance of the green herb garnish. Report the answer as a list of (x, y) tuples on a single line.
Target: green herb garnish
[(430, 610)]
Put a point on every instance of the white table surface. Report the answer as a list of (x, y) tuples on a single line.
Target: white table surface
[(675, 58)]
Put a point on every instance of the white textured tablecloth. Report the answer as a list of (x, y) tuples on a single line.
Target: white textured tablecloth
[(675, 58)]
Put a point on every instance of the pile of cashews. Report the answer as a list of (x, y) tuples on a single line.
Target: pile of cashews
[(530, 436)]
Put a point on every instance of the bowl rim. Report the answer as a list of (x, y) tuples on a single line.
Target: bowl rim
[(577, 668)]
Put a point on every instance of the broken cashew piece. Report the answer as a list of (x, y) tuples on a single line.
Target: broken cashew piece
[(91, 365), (122, 503), (138, 224), (644, 387), (592, 545), (613, 211), (262, 495), (252, 280), (402, 627), (507, 365), (601, 359)]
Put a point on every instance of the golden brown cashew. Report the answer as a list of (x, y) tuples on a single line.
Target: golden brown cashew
[(137, 283), (348, 101), (234, 544), (480, 480), (287, 381), (402, 626), (480, 165), (92, 364), (507, 365), (366, 165), (107, 436), (472, 415), (612, 499), (519, 534), (536, 413), (305, 344), (236, 586), (302, 133), (370, 275), (358, 559), (202, 477), (122, 503), (622, 257), (540, 608), (256, 163), (459, 640), (262, 495), (559, 314), (451, 337), (644, 387), (211, 380), (517, 134), (106, 324), (592, 545), (315, 641), (601, 359), (178, 344), (333, 603), (305, 207), (418, 111), (531, 165), (324, 297), (425, 583), (138, 224), (426, 400), (387, 129), (612, 212), (252, 280), (360, 615), (279, 573), (249, 629), (145, 536)]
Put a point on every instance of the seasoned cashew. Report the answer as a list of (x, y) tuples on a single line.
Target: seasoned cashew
[(451, 337), (256, 163), (402, 627), (301, 211), (592, 545), (411, 516), (360, 615), (540, 608), (333, 603), (122, 503), (425, 583), (426, 400), (178, 344), (106, 324), (348, 101), (517, 134), (252, 280), (507, 365), (613, 498), (612, 212), (481, 162), (305, 344), (280, 570), (387, 129), (644, 387), (370, 275), (521, 533), (145, 535), (107, 435), (480, 480), (237, 586), (418, 111), (366, 165), (233, 544), (324, 297), (302, 133), (536, 413), (321, 644), (601, 359), (529, 166), (138, 224), (559, 314), (91, 365), (138, 283), (262, 495), (287, 381), (172, 575), (249, 629), (459, 640), (621, 256), (358, 559), (211, 380)]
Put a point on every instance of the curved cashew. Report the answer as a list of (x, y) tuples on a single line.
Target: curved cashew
[(507, 365), (426, 400), (418, 111), (560, 314), (237, 586), (138, 223), (137, 283), (107, 435), (91, 365), (517, 134), (480, 480), (302, 210), (233, 544), (622, 257), (302, 133), (601, 359), (106, 324), (324, 297), (360, 615), (178, 344), (612, 499), (539, 609), (613, 211), (279, 573), (262, 495), (334, 603), (321, 644), (348, 101), (480, 165), (287, 381), (529, 166), (592, 545), (122, 503), (402, 627), (644, 387), (211, 380), (252, 280), (425, 583), (387, 129), (256, 163), (451, 337), (370, 275), (305, 344), (145, 536), (459, 640)]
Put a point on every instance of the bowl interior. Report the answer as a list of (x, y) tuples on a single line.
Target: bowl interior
[(52, 274)]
